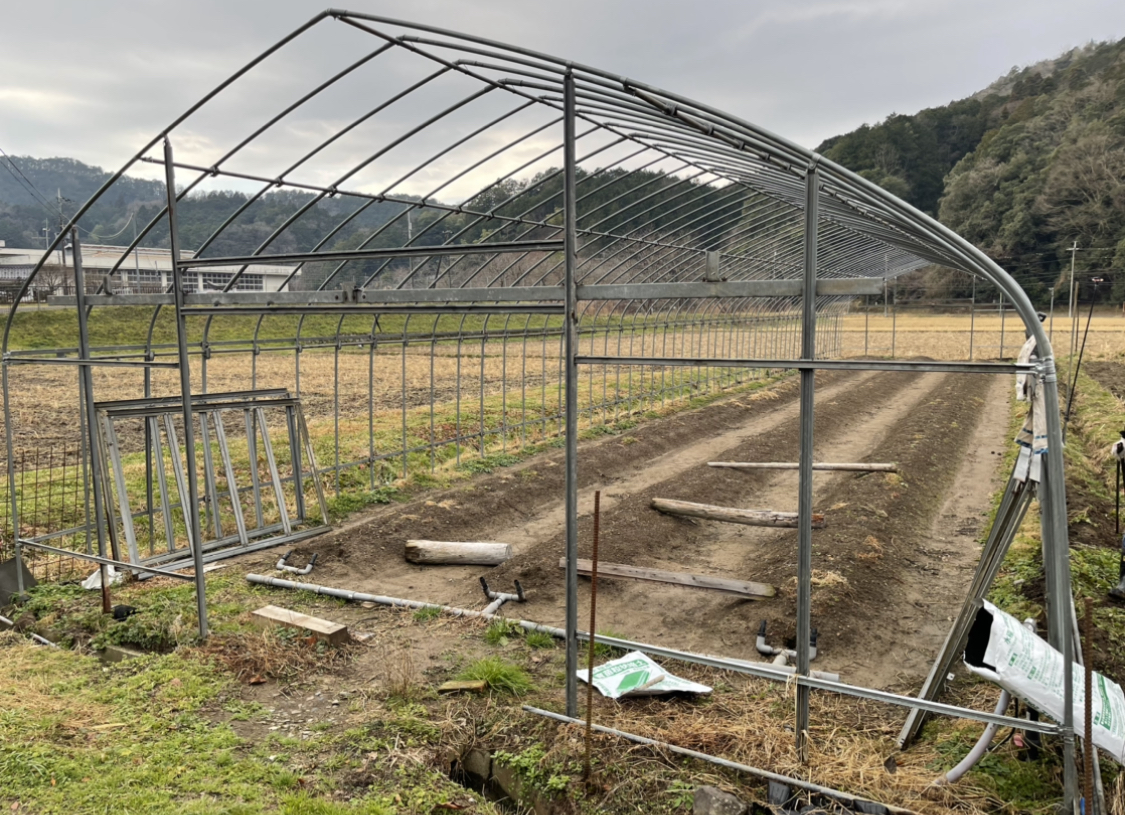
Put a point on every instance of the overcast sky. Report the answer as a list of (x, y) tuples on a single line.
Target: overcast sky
[(96, 80)]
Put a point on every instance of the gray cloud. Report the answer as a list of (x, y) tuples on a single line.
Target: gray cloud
[(96, 80)]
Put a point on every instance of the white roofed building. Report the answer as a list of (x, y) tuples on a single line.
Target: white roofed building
[(142, 271)]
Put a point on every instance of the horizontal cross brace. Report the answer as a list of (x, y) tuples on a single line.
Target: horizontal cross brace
[(210, 298), (378, 308), (101, 363), (765, 670), (197, 399), (827, 287), (456, 250), (820, 364)]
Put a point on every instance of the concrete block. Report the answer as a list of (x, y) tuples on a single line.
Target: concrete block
[(119, 653), (477, 762), (8, 581), (713, 801)]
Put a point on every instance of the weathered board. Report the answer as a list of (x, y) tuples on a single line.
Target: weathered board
[(854, 467), (334, 633), (742, 588)]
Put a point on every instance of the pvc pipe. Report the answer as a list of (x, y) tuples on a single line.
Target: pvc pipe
[(979, 749), (985, 740), (282, 566), (848, 800), (41, 640), (780, 673)]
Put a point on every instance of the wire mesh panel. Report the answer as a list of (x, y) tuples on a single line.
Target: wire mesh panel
[(261, 482)]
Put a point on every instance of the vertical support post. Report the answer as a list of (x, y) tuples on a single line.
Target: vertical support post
[(866, 321), (570, 238), (1056, 561), (894, 317), (1051, 325), (149, 356), (805, 461), (196, 531), (972, 318), (13, 498), (1001, 356), (91, 421)]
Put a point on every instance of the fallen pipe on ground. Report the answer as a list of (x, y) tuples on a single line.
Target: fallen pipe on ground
[(41, 640), (850, 801), (777, 673)]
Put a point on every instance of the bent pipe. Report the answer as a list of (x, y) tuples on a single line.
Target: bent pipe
[(767, 650), (985, 741), (761, 670), (979, 749), (850, 801)]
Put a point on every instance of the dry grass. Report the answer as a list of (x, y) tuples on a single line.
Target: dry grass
[(946, 336), (398, 674), (850, 742), (260, 655)]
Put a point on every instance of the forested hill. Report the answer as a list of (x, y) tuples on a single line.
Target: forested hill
[(1022, 169)]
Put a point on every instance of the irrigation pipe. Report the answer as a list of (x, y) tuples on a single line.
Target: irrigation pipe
[(979, 749), (985, 741), (779, 673), (848, 800), (41, 640)]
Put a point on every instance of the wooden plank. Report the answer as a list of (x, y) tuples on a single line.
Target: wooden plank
[(334, 633), (463, 553), (748, 517), (858, 467), (472, 685), (742, 588)]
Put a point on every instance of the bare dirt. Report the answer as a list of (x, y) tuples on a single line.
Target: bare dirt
[(890, 569)]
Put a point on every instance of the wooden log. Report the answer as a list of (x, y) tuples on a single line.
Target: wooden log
[(463, 553), (334, 633), (742, 588), (858, 467), (749, 517)]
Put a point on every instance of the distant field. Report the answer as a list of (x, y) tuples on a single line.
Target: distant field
[(947, 336)]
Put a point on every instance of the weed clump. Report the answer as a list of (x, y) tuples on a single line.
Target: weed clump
[(500, 675), (539, 639), (500, 632)]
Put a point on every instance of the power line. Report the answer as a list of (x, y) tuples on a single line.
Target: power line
[(23, 181), (41, 199)]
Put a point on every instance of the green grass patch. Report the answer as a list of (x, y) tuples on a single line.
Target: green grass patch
[(502, 676), (500, 632), (425, 615), (539, 639)]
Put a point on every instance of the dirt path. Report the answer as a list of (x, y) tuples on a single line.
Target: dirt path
[(942, 564), (889, 570)]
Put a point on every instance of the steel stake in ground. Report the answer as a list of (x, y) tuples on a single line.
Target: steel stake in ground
[(586, 775)]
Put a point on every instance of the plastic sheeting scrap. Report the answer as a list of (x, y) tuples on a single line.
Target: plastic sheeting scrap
[(1005, 652), (94, 581), (635, 674)]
